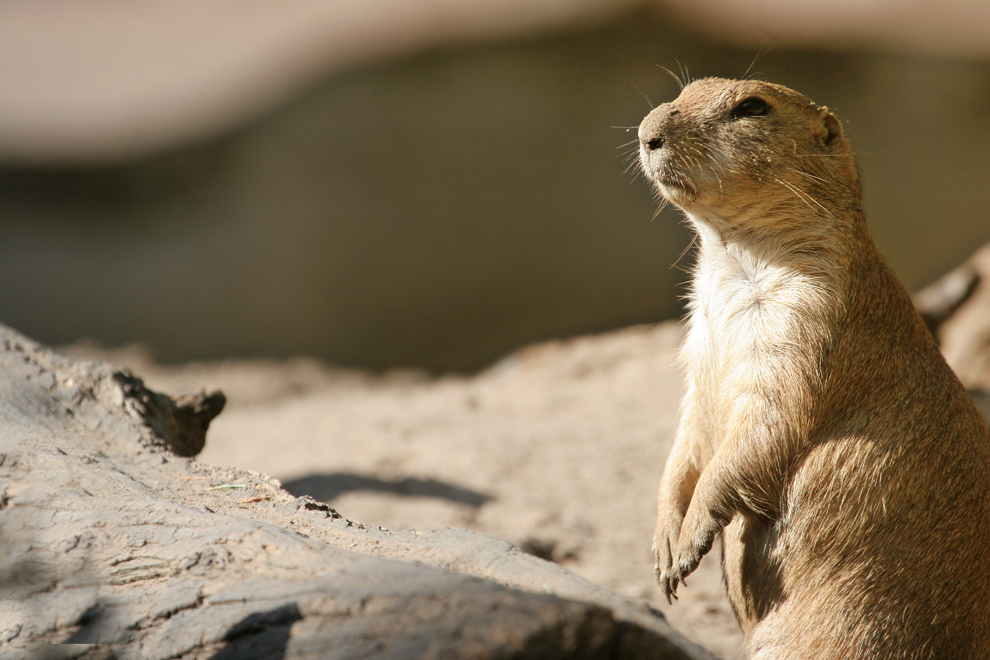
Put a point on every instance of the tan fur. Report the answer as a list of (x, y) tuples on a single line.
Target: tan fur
[(821, 433)]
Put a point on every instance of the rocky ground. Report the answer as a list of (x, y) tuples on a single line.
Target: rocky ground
[(557, 449), (114, 546)]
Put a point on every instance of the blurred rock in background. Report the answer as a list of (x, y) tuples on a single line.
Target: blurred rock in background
[(428, 183), (956, 308)]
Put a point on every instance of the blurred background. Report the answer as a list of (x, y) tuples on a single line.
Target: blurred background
[(428, 183)]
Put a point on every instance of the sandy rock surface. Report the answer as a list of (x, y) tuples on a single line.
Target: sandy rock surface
[(558, 449), (114, 546)]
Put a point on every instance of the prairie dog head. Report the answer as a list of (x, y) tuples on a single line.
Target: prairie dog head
[(749, 155)]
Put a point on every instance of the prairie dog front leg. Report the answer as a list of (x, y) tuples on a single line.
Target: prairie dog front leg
[(745, 475), (677, 485)]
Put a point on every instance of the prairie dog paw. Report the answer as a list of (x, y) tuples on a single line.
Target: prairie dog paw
[(664, 546), (695, 541)]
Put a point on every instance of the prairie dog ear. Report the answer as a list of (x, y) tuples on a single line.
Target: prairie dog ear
[(833, 128)]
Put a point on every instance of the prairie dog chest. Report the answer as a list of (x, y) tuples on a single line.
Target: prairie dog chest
[(755, 321), (740, 306)]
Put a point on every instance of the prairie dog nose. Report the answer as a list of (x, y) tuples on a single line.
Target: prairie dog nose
[(652, 131)]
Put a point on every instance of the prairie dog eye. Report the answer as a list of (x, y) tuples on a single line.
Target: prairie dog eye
[(754, 106)]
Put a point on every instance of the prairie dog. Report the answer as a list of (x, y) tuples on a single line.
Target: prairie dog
[(821, 433)]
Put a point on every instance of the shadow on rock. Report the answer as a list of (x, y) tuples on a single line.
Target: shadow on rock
[(261, 636), (98, 625), (327, 487)]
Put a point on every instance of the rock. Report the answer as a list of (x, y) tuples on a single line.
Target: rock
[(113, 545), (957, 310)]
